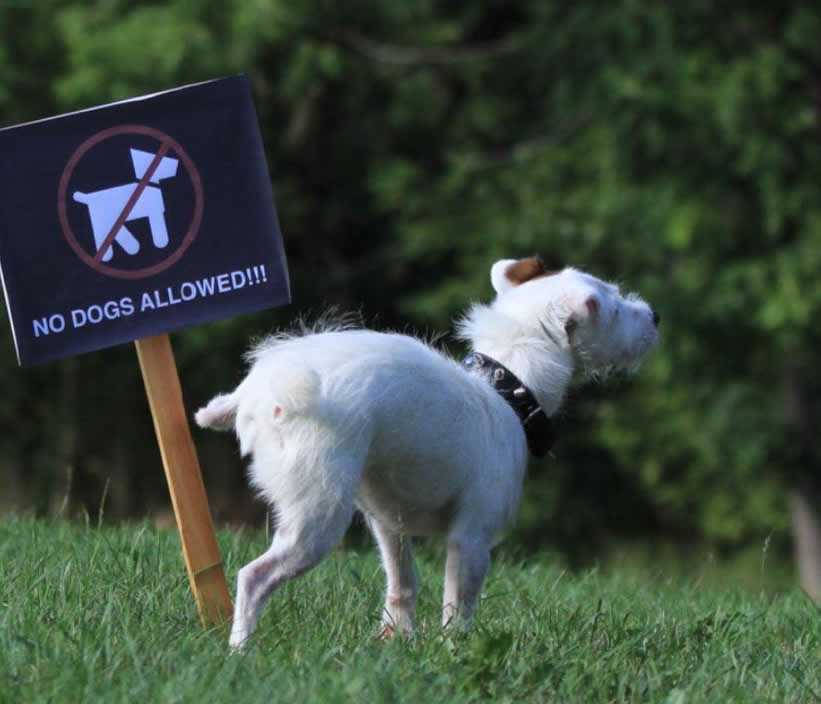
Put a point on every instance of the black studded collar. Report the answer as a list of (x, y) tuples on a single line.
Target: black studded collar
[(537, 426)]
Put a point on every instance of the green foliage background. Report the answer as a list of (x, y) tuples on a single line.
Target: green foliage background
[(672, 146)]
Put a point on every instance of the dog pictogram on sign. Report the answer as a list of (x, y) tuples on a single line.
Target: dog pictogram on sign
[(109, 205), (108, 209)]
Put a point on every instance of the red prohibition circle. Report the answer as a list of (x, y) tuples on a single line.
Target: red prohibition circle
[(196, 218)]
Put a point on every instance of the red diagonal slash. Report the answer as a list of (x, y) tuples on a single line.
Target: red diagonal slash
[(135, 196)]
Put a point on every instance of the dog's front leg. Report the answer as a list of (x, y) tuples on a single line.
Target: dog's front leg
[(397, 559), (465, 569)]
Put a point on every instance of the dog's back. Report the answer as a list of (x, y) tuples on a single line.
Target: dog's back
[(420, 437)]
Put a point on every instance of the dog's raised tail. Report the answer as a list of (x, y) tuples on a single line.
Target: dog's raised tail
[(289, 395), (219, 414)]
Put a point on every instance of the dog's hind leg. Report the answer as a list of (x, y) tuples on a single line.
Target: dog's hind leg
[(305, 534), (467, 563), (400, 573)]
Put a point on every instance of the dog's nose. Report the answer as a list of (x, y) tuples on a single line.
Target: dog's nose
[(656, 318)]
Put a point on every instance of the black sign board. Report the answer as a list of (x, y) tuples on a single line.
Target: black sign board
[(136, 218)]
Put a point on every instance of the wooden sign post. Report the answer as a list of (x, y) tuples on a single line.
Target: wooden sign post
[(182, 470)]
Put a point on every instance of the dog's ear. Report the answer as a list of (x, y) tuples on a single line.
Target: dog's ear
[(507, 273), (585, 310)]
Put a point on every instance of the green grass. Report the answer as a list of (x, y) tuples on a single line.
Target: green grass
[(104, 614)]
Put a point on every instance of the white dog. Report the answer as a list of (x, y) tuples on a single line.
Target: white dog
[(421, 444)]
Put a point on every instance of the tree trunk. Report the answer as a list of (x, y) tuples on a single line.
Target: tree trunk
[(805, 504), (805, 495)]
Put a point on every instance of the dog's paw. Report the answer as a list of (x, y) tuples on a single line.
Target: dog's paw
[(389, 631), (238, 643)]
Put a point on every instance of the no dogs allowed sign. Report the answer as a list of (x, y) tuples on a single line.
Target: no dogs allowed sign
[(136, 218)]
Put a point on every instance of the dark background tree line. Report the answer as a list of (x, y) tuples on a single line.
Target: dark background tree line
[(673, 146)]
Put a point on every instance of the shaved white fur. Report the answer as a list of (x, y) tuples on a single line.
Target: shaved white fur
[(356, 419)]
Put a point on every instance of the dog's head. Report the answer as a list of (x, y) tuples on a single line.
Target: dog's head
[(605, 329)]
